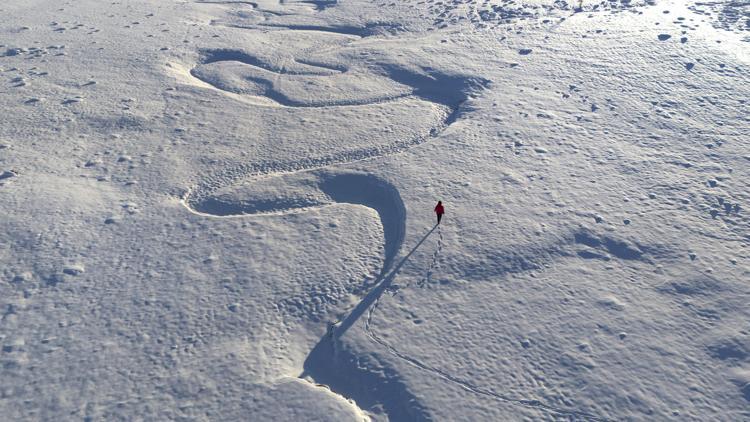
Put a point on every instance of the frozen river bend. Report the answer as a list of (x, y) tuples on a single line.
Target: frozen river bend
[(220, 210)]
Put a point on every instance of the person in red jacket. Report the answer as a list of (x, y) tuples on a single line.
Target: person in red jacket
[(439, 210)]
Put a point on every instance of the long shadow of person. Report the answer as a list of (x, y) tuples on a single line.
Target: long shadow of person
[(380, 287), (327, 362)]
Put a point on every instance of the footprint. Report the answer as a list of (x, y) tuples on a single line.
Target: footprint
[(8, 174), (74, 100)]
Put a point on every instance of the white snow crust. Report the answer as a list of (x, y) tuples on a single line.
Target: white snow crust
[(222, 210)]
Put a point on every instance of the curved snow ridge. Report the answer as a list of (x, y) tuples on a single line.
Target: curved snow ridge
[(295, 83), (277, 8), (366, 385), (305, 184), (373, 385), (201, 198), (446, 93), (304, 191), (365, 31), (237, 191), (310, 68), (317, 5), (355, 32), (369, 383), (229, 2), (361, 414)]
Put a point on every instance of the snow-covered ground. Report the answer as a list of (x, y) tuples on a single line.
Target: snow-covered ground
[(222, 210)]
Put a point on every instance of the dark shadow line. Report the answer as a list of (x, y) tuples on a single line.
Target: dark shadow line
[(328, 363), (382, 284), (248, 3)]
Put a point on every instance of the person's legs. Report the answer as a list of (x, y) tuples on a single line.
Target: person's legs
[(440, 216)]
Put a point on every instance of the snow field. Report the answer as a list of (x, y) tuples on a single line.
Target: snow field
[(222, 210)]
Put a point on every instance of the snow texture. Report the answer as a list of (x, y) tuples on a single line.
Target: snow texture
[(222, 210)]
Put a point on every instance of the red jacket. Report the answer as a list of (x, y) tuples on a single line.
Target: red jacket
[(439, 210)]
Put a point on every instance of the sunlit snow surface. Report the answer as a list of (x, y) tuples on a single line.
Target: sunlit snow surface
[(217, 210)]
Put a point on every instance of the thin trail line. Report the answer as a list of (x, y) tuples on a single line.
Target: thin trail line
[(395, 290), (529, 403), (426, 279)]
